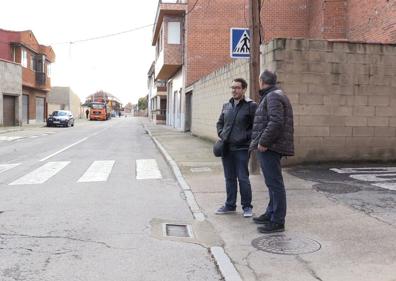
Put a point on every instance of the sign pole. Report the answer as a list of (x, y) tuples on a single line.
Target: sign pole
[(254, 65)]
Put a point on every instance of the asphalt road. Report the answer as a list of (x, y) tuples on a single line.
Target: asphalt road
[(81, 204), (366, 187)]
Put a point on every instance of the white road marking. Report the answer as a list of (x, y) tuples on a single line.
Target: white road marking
[(4, 138), (41, 174), (386, 185), (98, 171), (63, 149), (370, 170), (67, 147), (375, 177), (5, 167), (147, 169)]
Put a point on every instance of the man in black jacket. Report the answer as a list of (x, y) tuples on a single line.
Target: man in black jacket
[(234, 127), (273, 138)]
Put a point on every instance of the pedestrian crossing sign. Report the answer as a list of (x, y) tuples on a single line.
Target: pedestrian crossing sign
[(239, 43)]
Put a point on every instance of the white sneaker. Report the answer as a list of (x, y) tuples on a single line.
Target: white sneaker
[(247, 212)]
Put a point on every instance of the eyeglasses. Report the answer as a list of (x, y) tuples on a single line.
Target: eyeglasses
[(236, 88)]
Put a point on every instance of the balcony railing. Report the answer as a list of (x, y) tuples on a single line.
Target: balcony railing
[(41, 78)]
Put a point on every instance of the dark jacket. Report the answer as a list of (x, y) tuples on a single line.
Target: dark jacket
[(239, 135), (273, 122)]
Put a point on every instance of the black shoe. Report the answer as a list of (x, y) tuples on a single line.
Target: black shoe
[(263, 219), (272, 227)]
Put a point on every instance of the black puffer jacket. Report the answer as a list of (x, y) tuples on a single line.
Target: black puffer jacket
[(273, 122), (237, 138)]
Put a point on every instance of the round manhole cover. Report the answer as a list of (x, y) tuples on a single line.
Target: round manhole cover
[(286, 244), (337, 188)]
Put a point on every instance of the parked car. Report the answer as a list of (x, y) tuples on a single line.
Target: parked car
[(60, 118)]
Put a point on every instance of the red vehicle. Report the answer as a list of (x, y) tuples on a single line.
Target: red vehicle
[(99, 111)]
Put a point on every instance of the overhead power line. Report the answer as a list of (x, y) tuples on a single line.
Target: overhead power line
[(104, 36), (193, 7)]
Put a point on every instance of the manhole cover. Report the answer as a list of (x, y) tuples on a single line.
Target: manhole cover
[(337, 188), (286, 244)]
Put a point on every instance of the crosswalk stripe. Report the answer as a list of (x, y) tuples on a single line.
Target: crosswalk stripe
[(5, 138), (5, 167), (41, 174), (98, 171), (147, 169)]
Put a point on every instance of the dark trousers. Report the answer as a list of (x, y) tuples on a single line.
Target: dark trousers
[(235, 165), (272, 171)]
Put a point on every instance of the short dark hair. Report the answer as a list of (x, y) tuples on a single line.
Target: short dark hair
[(242, 81), (268, 77)]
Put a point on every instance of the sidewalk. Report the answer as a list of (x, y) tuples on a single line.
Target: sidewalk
[(324, 240)]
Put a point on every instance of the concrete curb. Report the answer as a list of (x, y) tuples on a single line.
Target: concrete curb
[(192, 203), (227, 269)]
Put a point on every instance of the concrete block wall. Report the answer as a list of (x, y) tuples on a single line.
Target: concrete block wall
[(343, 96), (210, 93)]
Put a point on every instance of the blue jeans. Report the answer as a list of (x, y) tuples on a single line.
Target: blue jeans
[(235, 164), (272, 171)]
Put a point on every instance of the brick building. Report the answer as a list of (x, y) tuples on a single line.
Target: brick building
[(192, 36), (22, 47)]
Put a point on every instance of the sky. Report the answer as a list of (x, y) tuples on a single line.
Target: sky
[(116, 64)]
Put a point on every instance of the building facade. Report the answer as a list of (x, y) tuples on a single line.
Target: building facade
[(10, 94), (22, 47), (63, 98), (192, 38)]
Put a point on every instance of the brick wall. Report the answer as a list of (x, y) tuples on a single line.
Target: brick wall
[(315, 19), (334, 19), (208, 35), (210, 93), (172, 52), (343, 95), (285, 18), (373, 20)]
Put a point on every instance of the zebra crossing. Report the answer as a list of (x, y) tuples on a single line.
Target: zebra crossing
[(21, 137), (98, 171)]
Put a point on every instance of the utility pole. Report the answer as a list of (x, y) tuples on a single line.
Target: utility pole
[(254, 65)]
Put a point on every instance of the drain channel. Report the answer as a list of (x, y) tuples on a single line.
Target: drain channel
[(177, 230)]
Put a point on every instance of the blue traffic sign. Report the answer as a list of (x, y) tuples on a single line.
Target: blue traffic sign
[(239, 43)]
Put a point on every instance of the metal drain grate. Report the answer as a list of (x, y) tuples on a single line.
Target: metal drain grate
[(286, 244), (177, 230)]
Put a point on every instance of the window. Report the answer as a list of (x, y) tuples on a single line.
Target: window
[(31, 64), (160, 41), (49, 70), (173, 32), (24, 60)]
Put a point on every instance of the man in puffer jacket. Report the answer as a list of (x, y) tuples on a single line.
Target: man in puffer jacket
[(273, 138), (235, 128)]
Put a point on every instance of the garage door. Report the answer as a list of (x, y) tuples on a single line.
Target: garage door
[(39, 110), (9, 111), (25, 108)]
